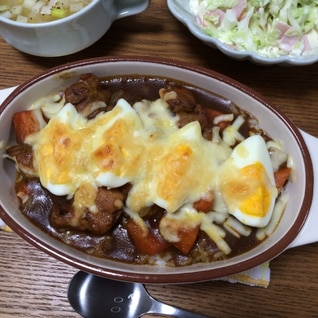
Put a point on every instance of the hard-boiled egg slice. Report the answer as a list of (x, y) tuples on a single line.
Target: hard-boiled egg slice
[(180, 168), (247, 183), (187, 168), (71, 150)]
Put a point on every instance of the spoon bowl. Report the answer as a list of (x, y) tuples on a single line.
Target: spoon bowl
[(93, 297)]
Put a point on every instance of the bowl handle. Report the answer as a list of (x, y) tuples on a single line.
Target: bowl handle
[(125, 8), (309, 233)]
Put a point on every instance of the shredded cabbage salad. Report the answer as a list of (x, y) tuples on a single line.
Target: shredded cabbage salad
[(269, 28)]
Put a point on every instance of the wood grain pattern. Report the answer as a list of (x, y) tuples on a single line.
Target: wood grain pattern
[(33, 284)]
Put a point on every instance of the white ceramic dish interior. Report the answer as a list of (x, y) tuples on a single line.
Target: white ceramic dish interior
[(303, 197), (181, 11)]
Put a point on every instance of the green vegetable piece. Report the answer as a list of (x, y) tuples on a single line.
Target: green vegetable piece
[(58, 13)]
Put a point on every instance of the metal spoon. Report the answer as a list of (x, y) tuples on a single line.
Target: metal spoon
[(93, 297)]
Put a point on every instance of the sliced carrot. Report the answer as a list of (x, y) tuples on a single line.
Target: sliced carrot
[(212, 113), (25, 123), (281, 176), (204, 204), (188, 237), (149, 242)]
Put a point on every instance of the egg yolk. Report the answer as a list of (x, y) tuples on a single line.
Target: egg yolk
[(248, 189), (258, 202)]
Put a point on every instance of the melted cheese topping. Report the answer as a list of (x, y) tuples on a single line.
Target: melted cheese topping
[(167, 166), (178, 169), (71, 151)]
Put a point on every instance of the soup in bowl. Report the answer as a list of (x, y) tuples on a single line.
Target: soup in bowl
[(39, 11), (60, 32), (178, 117)]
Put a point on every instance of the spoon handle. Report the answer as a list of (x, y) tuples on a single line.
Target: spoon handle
[(167, 310)]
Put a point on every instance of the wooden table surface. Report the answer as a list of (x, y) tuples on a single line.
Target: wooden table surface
[(33, 284)]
